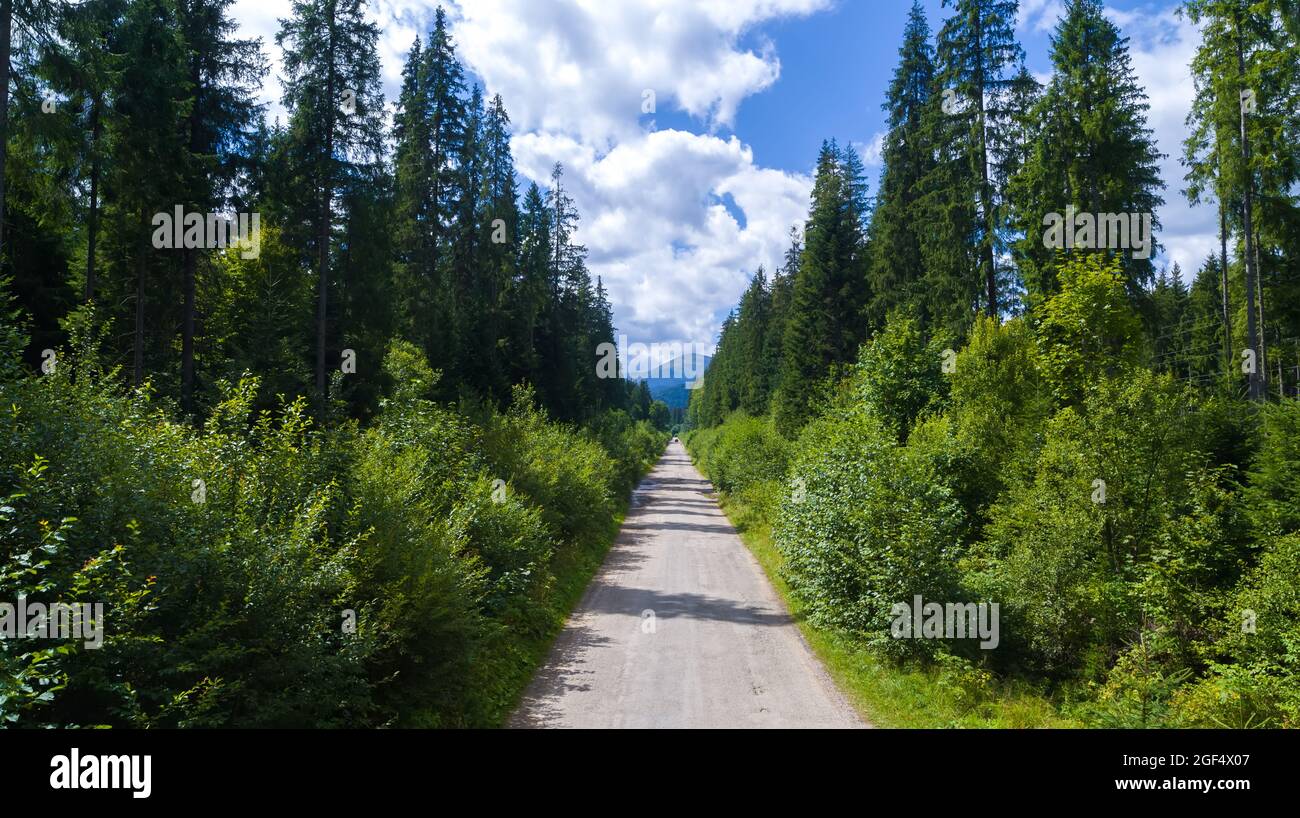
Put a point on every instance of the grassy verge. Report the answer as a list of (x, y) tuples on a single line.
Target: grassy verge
[(886, 695)]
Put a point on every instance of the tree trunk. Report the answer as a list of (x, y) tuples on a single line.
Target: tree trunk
[(1256, 383), (323, 236), (6, 19), (986, 191), (1223, 282), (137, 362), (92, 219), (190, 263), (190, 259), (1263, 328)]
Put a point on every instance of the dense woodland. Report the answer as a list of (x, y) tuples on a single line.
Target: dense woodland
[(924, 399), (352, 476)]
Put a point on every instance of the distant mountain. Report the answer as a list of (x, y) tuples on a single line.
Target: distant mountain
[(670, 384)]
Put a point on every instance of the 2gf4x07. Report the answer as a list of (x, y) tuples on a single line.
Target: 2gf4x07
[(1179, 760)]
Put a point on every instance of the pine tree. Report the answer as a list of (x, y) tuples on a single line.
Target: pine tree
[(84, 70), (1168, 308), (467, 278), (1091, 148), (898, 227), (754, 324), (824, 324), (531, 297), (29, 18), (331, 89), (500, 227), (567, 354), (1242, 143), (1204, 326), (782, 297), (149, 159), (977, 60), (223, 75)]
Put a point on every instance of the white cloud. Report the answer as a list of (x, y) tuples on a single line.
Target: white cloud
[(873, 153), (654, 204), (1039, 15), (582, 67), (658, 229)]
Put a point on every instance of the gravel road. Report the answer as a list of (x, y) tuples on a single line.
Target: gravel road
[(680, 628)]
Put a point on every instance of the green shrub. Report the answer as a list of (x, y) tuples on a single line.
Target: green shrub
[(259, 572), (1260, 649), (747, 451), (634, 445), (899, 374), (868, 524), (1121, 528), (1274, 488)]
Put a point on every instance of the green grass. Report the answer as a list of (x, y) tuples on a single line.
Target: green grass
[(887, 695)]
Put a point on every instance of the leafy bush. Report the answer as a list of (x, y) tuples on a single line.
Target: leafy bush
[(748, 451), (869, 524), (1089, 330), (1121, 529), (634, 445), (899, 374), (260, 572)]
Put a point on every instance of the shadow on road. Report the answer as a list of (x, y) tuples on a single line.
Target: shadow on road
[(633, 601)]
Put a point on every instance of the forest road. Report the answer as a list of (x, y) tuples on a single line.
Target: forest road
[(680, 628)]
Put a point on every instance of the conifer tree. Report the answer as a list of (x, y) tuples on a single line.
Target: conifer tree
[(898, 228), (1091, 149), (824, 325), (331, 90), (223, 75), (1241, 145), (977, 62)]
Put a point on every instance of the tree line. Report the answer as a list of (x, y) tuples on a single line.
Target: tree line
[(978, 157), (372, 227), (350, 467), (928, 400)]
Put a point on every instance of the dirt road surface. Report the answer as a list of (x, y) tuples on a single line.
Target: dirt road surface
[(680, 628)]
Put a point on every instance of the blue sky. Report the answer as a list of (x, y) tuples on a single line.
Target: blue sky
[(836, 67), (681, 205)]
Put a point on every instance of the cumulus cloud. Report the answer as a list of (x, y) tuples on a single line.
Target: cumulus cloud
[(659, 228), (584, 67), (675, 221)]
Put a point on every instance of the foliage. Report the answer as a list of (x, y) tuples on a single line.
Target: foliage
[(234, 560)]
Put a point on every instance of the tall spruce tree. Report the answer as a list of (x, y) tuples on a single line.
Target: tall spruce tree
[(754, 378), (531, 296), (977, 61), (149, 160), (824, 325), (898, 226), (1242, 147), (223, 73), (1091, 149), (499, 227), (332, 93)]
